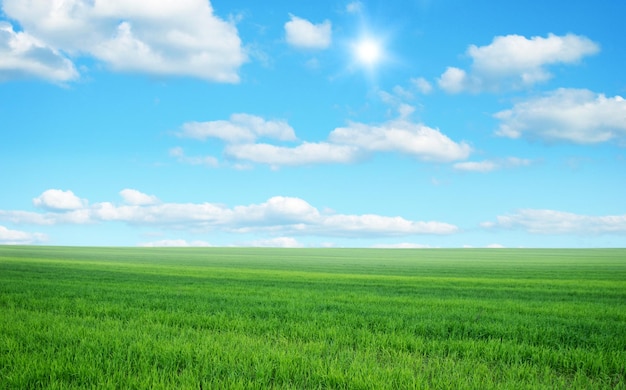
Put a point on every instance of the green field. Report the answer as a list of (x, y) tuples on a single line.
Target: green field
[(207, 318)]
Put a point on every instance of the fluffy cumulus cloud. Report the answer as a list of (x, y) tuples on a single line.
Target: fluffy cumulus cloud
[(454, 80), (279, 210), (59, 200), (344, 145), (559, 222), (491, 165), (570, 115), (170, 37), (24, 56), (277, 216), (514, 61), (137, 198), (303, 34), (17, 237), (417, 140)]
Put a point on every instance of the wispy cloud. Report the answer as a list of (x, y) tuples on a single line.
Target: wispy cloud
[(306, 153), (277, 242), (491, 165), (174, 243), (559, 222), (239, 128), (422, 85), (354, 7), (402, 245), (180, 155)]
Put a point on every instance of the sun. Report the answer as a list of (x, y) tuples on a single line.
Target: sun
[(368, 51)]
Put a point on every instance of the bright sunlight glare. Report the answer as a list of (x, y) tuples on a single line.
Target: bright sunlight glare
[(368, 51)]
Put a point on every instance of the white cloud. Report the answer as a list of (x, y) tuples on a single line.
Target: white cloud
[(345, 144), (170, 37), (174, 215), (278, 242), (396, 100), (354, 7), (179, 153), (403, 93), (303, 34), (453, 80), (559, 222), (82, 216), (276, 210), (422, 85), (175, 243), (16, 237), (369, 224), (517, 55), (59, 200), (515, 162), (303, 154), (495, 246), (402, 245), (240, 128), (279, 215), (405, 110), (400, 97), (24, 56), (491, 165), (514, 61), (402, 136), (571, 115), (476, 166), (137, 198)]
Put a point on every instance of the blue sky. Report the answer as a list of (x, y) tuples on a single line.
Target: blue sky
[(425, 123)]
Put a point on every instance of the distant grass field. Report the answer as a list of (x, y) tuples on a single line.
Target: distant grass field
[(249, 318)]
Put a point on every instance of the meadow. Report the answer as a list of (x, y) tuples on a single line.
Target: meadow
[(252, 318)]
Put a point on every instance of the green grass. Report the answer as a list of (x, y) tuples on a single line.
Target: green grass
[(311, 318)]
